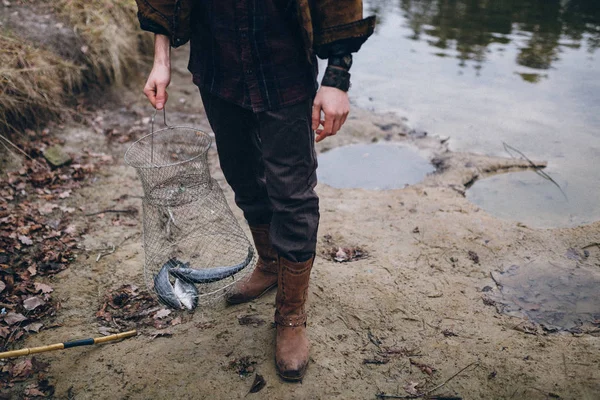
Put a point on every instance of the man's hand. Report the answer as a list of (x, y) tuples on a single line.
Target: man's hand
[(160, 76), (335, 105)]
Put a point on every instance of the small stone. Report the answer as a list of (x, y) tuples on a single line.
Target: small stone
[(56, 156)]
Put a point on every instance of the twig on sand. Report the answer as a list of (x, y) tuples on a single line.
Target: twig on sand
[(111, 247), (498, 284), (106, 252), (536, 169), (393, 396), (125, 211), (595, 244), (13, 145)]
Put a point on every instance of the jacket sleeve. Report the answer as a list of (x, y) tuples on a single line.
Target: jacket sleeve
[(166, 17), (339, 26)]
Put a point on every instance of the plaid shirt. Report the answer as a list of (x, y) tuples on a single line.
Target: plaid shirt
[(250, 52)]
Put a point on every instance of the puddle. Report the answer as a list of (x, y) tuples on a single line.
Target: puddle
[(536, 202), (554, 296), (372, 166)]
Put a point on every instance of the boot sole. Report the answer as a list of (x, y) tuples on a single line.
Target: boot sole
[(229, 301), (294, 378)]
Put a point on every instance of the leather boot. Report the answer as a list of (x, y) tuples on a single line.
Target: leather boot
[(291, 349), (264, 276)]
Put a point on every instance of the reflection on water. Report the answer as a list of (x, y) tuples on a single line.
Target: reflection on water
[(465, 29), (484, 72), (536, 202)]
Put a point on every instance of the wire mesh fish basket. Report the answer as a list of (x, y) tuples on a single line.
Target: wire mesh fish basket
[(194, 247)]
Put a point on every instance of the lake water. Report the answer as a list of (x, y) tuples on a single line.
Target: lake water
[(486, 72), (377, 166)]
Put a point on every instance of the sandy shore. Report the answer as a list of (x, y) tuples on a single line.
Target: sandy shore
[(417, 296)]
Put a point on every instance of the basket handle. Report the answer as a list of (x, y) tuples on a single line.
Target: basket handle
[(152, 130)]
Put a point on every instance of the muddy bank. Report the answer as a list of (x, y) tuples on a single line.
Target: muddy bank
[(417, 296)]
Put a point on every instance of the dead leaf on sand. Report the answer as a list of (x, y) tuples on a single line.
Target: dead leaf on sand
[(32, 303), (35, 327), (473, 256), (162, 313), (42, 287), (346, 254), (253, 320), (106, 331), (157, 334), (12, 318), (47, 208), (527, 327), (258, 384), (411, 388), (34, 392), (426, 369), (22, 369), (26, 240)]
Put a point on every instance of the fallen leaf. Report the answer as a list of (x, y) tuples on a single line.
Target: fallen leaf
[(65, 194), (258, 385), (42, 287), (411, 388), (426, 369), (2, 286), (47, 208), (32, 270), (529, 328), (25, 240), (32, 303), (12, 318), (35, 327), (254, 320), (106, 331), (46, 387), (34, 392), (4, 332), (69, 230), (66, 209), (162, 313), (22, 369), (156, 334), (473, 256), (38, 365), (341, 255)]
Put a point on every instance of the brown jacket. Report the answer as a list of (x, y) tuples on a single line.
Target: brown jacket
[(325, 23)]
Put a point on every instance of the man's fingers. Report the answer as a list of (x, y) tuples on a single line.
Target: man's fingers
[(316, 115), (328, 125), (343, 120), (150, 93), (161, 96)]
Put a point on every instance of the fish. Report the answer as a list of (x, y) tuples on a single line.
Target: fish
[(163, 287), (187, 293), (208, 275)]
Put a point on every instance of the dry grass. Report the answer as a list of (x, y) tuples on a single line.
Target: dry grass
[(35, 84), (114, 43)]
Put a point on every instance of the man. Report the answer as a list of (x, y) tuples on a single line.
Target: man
[(254, 62)]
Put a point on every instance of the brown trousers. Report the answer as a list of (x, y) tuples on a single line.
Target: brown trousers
[(269, 161)]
